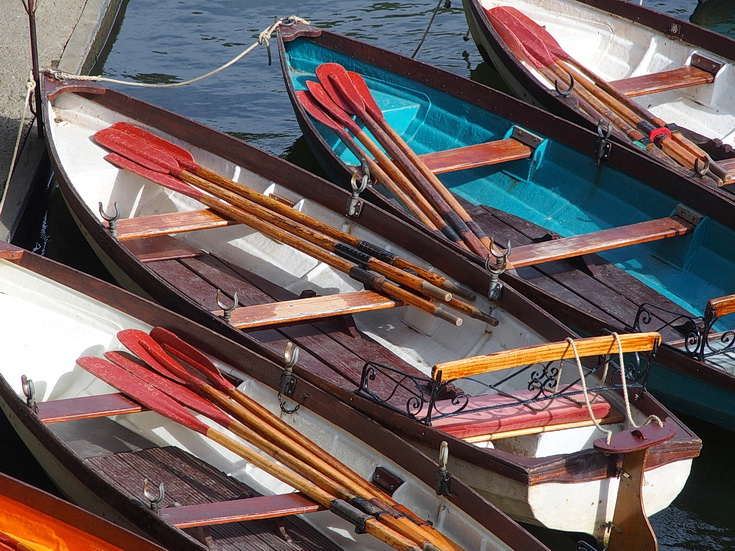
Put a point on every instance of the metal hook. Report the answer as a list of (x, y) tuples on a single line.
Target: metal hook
[(111, 219), (29, 390), (705, 168), (603, 143), (565, 93), (288, 380), (154, 500), (442, 482), (226, 311), (354, 206)]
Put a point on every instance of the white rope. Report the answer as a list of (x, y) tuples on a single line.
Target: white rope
[(30, 87), (263, 38), (587, 401)]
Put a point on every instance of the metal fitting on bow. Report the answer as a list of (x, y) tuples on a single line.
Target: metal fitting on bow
[(496, 264), (359, 184), (603, 142)]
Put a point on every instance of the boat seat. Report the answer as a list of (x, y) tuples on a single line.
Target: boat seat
[(681, 223), (238, 510), (518, 419), (174, 222), (473, 156), (86, 407), (306, 309), (700, 71)]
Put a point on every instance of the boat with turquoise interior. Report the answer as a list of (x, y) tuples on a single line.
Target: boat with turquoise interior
[(599, 235)]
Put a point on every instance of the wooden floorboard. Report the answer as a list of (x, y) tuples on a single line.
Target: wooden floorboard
[(189, 481)]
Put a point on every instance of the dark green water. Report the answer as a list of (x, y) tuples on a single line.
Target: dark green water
[(173, 41)]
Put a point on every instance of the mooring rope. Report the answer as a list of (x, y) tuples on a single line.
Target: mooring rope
[(431, 22), (263, 38)]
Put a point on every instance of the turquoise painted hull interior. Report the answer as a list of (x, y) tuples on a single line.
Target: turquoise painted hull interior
[(558, 188)]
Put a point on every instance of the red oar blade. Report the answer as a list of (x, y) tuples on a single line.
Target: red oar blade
[(148, 350), (136, 150), (308, 102), (181, 155), (362, 88), (338, 85), (523, 35), (181, 394), (340, 115), (174, 344), (165, 180), (140, 391)]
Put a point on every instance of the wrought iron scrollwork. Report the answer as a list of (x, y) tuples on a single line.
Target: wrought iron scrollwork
[(700, 338)]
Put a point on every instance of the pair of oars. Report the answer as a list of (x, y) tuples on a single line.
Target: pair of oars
[(338, 96), (150, 156), (598, 96), (303, 465)]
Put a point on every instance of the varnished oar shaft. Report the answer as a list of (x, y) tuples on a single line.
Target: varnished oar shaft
[(161, 403), (370, 280), (267, 432), (337, 112), (314, 236)]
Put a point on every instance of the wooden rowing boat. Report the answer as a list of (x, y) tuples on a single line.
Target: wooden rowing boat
[(681, 73), (166, 246), (138, 468), (32, 519), (531, 179)]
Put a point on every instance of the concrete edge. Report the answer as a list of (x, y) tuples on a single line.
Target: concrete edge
[(81, 52)]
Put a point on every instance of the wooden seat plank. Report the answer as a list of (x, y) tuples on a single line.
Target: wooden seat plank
[(160, 247), (305, 309), (603, 240), (663, 81), (86, 407), (174, 222), (238, 510), (473, 156)]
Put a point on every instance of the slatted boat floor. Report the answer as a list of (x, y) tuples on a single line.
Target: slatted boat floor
[(332, 349), (189, 481), (588, 283)]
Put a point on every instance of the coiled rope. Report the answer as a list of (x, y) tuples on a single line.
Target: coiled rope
[(263, 38)]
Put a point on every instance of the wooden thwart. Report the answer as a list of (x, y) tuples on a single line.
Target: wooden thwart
[(305, 309), (86, 407), (603, 240), (541, 353), (473, 156), (238, 510), (174, 222), (663, 81), (160, 247)]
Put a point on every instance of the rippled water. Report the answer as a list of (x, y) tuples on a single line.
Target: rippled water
[(173, 41)]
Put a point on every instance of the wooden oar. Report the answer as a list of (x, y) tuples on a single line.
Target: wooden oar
[(316, 112), (264, 432), (155, 400), (370, 280), (297, 459), (172, 344), (186, 162), (341, 90), (323, 99), (541, 46), (353, 90), (280, 215)]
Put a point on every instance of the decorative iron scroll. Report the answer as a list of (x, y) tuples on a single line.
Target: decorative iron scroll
[(426, 399), (700, 339)]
